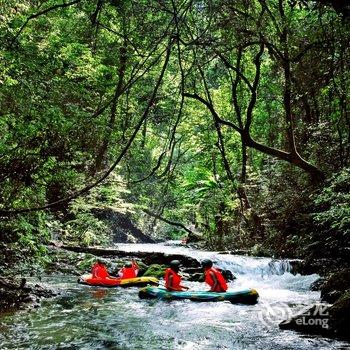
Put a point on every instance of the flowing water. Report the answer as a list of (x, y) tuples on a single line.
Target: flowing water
[(84, 317)]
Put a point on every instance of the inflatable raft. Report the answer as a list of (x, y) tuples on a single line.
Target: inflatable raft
[(117, 282), (244, 296)]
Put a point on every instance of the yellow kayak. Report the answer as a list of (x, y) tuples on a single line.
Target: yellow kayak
[(117, 282)]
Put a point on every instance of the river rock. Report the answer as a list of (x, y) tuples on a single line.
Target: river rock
[(194, 237), (335, 286), (196, 277), (14, 293), (148, 258), (340, 314), (124, 230), (317, 285), (156, 270), (314, 320), (323, 319), (228, 275), (192, 270)]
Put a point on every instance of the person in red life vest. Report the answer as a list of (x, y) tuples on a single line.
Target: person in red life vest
[(99, 270), (213, 277), (172, 277), (129, 270)]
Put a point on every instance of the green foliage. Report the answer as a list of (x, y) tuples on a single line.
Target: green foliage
[(155, 270), (333, 204), (85, 229), (24, 240), (75, 80)]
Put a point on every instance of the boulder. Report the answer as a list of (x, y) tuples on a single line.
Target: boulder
[(228, 275), (156, 270), (196, 277), (340, 316), (15, 293), (335, 286), (314, 320), (124, 230), (317, 285), (324, 319)]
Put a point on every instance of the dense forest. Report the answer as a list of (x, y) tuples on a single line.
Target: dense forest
[(226, 121)]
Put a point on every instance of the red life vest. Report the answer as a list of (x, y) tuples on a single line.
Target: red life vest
[(176, 280), (99, 271), (128, 272), (221, 285)]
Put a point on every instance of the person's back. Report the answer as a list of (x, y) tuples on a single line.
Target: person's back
[(99, 270), (214, 277), (172, 278), (129, 270)]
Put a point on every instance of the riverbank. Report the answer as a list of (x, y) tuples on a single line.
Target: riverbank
[(17, 293), (68, 260), (85, 317)]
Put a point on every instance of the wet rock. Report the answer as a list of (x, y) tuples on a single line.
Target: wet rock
[(335, 286), (314, 320), (228, 275), (14, 293), (317, 285), (148, 258), (194, 238), (324, 319), (340, 314), (156, 270), (124, 230), (310, 266), (192, 270), (164, 259), (237, 252), (196, 277)]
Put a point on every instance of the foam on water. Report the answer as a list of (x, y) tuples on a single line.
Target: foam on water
[(84, 317)]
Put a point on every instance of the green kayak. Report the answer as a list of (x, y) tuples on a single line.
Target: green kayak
[(244, 296)]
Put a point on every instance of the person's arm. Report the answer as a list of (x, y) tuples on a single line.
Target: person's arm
[(184, 287), (94, 271), (135, 266), (215, 280), (168, 284), (171, 288)]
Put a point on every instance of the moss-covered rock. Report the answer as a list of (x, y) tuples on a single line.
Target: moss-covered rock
[(340, 315), (15, 293), (156, 270), (196, 277), (336, 285)]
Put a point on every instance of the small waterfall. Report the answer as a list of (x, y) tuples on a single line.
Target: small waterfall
[(251, 265), (85, 317)]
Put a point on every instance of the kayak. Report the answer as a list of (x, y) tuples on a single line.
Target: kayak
[(244, 296), (117, 282)]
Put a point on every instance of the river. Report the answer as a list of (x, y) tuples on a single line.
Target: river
[(84, 317)]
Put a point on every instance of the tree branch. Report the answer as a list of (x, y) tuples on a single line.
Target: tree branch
[(117, 161), (212, 110), (35, 15), (173, 223)]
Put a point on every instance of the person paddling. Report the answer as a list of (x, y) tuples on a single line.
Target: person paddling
[(172, 278), (99, 270), (130, 270), (213, 277)]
